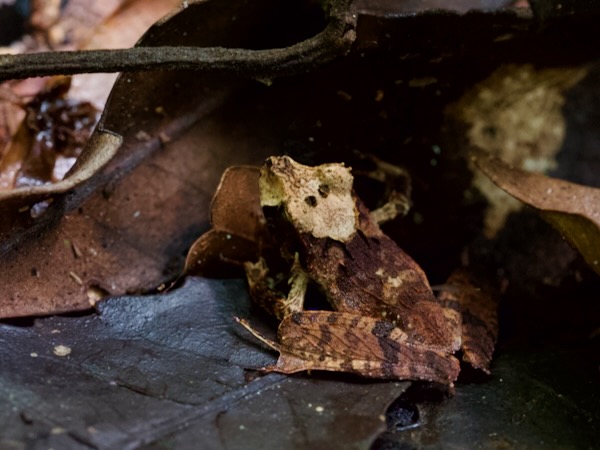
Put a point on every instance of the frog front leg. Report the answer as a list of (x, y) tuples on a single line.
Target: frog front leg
[(398, 185), (263, 291)]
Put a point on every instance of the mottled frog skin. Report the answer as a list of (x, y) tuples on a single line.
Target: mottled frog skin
[(386, 321)]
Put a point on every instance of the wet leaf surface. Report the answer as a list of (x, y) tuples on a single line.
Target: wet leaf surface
[(537, 399), (170, 370), (49, 139), (152, 368)]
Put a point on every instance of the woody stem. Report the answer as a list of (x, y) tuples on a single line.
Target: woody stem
[(333, 41)]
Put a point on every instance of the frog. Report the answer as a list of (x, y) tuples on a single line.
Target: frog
[(384, 320)]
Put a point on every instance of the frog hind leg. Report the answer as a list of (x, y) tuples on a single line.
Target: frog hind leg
[(298, 282), (346, 342)]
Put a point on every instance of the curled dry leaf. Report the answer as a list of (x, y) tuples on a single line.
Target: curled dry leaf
[(20, 207), (238, 227), (573, 209), (236, 207)]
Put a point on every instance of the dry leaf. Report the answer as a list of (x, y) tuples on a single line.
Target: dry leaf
[(122, 25), (217, 254), (238, 226), (572, 209), (18, 206), (479, 316), (236, 207)]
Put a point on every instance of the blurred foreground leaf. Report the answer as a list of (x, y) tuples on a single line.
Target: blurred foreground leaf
[(573, 209)]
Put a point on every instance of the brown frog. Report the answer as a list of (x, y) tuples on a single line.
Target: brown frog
[(386, 322)]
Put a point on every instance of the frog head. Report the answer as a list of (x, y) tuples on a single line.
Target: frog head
[(316, 200)]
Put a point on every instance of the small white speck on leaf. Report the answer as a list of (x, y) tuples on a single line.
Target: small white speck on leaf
[(61, 350)]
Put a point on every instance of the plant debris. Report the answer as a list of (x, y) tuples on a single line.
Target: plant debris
[(50, 139)]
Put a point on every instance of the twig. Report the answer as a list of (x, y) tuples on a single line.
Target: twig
[(333, 41)]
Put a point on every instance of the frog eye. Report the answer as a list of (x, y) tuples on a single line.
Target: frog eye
[(324, 190), (311, 200)]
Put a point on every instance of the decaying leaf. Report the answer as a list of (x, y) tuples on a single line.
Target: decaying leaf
[(478, 313), (19, 208), (115, 24), (573, 209), (50, 138), (61, 111), (68, 25), (235, 208), (218, 254)]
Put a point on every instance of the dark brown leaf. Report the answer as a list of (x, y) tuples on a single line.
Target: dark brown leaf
[(173, 366), (238, 227), (133, 234), (219, 254)]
